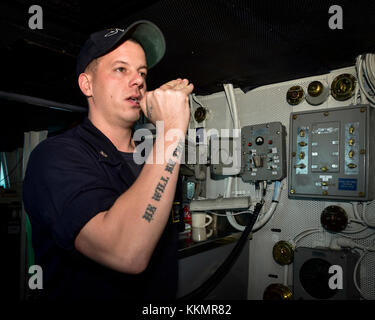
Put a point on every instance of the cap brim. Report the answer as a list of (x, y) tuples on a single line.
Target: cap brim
[(151, 39)]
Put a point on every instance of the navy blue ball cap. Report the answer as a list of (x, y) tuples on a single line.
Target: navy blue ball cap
[(102, 42)]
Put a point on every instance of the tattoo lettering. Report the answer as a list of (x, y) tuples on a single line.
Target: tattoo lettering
[(149, 213), (179, 149), (170, 165), (160, 188)]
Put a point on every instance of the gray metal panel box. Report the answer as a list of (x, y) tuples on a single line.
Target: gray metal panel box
[(311, 274), (263, 152), (331, 154)]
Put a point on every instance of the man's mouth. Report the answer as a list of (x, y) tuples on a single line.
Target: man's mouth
[(134, 100)]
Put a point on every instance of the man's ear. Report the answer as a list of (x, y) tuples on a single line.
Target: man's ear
[(85, 84)]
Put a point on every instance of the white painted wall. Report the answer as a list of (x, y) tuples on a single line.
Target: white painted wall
[(268, 104)]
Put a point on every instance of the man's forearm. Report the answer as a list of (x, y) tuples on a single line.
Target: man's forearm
[(138, 216)]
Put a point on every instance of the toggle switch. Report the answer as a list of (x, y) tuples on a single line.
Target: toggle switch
[(258, 161), (352, 166), (325, 183)]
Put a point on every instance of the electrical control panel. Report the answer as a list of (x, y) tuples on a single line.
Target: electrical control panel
[(263, 152), (331, 154)]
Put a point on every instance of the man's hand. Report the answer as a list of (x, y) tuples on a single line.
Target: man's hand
[(169, 103)]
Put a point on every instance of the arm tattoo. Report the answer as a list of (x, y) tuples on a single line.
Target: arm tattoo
[(170, 166), (179, 148), (149, 213), (160, 187), (158, 192)]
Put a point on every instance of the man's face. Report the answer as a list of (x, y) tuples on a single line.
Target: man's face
[(119, 83)]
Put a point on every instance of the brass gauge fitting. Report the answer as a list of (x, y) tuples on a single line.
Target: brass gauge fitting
[(277, 291), (343, 86), (317, 93), (315, 89), (283, 252), (200, 114), (295, 95), (334, 218)]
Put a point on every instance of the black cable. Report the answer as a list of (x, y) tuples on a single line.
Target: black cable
[(203, 290)]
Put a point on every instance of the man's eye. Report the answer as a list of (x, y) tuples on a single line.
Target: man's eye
[(143, 74), (120, 69)]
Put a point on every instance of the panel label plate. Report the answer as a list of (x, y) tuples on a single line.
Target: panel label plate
[(347, 184)]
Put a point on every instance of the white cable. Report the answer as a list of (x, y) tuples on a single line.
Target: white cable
[(234, 107), (362, 218), (360, 221), (356, 92), (355, 210), (265, 217), (356, 231), (302, 235), (278, 186), (191, 97), (285, 282), (197, 101), (365, 218), (369, 68), (360, 65), (227, 88), (357, 238), (228, 189), (225, 215), (348, 243)]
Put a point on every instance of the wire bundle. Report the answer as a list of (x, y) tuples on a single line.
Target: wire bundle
[(365, 66), (348, 239)]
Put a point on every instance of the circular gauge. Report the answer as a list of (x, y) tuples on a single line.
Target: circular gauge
[(317, 93), (343, 86), (295, 95), (277, 291), (315, 89), (283, 253), (259, 140), (334, 218)]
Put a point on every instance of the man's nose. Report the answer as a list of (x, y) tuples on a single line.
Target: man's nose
[(137, 80)]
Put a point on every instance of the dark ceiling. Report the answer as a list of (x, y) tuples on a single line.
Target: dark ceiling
[(211, 42)]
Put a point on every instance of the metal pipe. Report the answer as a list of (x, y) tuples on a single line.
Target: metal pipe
[(220, 204), (41, 102)]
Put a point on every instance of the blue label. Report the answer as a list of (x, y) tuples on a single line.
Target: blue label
[(347, 184)]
